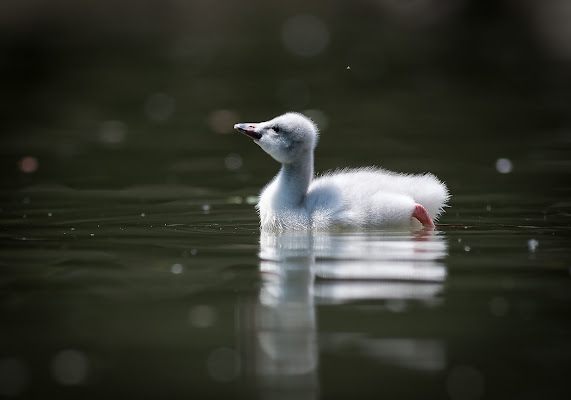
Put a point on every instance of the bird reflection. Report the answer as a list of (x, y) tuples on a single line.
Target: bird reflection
[(302, 269)]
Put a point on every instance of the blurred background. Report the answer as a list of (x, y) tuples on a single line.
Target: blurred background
[(129, 262), (88, 87)]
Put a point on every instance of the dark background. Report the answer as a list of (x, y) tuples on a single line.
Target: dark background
[(471, 81)]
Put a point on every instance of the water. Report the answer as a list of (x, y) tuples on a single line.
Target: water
[(192, 309), (131, 262)]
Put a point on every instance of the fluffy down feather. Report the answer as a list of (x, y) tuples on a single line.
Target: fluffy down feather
[(348, 198)]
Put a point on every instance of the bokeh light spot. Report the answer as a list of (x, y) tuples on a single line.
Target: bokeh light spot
[(504, 165), (28, 164), (177, 269)]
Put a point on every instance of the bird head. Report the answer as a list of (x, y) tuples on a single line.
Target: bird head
[(286, 138)]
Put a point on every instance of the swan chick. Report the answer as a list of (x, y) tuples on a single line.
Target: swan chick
[(348, 198)]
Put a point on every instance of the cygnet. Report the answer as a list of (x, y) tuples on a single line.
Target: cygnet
[(348, 198)]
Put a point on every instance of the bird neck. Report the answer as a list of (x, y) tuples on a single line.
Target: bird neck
[(294, 180)]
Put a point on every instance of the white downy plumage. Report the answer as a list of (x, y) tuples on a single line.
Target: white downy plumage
[(348, 198)]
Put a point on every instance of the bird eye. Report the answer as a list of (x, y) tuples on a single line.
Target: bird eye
[(276, 129)]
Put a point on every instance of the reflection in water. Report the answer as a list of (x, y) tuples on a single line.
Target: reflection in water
[(285, 321), (301, 269)]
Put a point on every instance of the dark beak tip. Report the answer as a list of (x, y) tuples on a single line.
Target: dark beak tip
[(248, 130)]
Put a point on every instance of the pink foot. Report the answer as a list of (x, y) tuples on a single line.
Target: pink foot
[(420, 214)]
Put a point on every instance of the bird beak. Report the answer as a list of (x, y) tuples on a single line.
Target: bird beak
[(250, 130)]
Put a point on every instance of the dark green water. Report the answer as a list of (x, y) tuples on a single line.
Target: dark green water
[(131, 262)]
